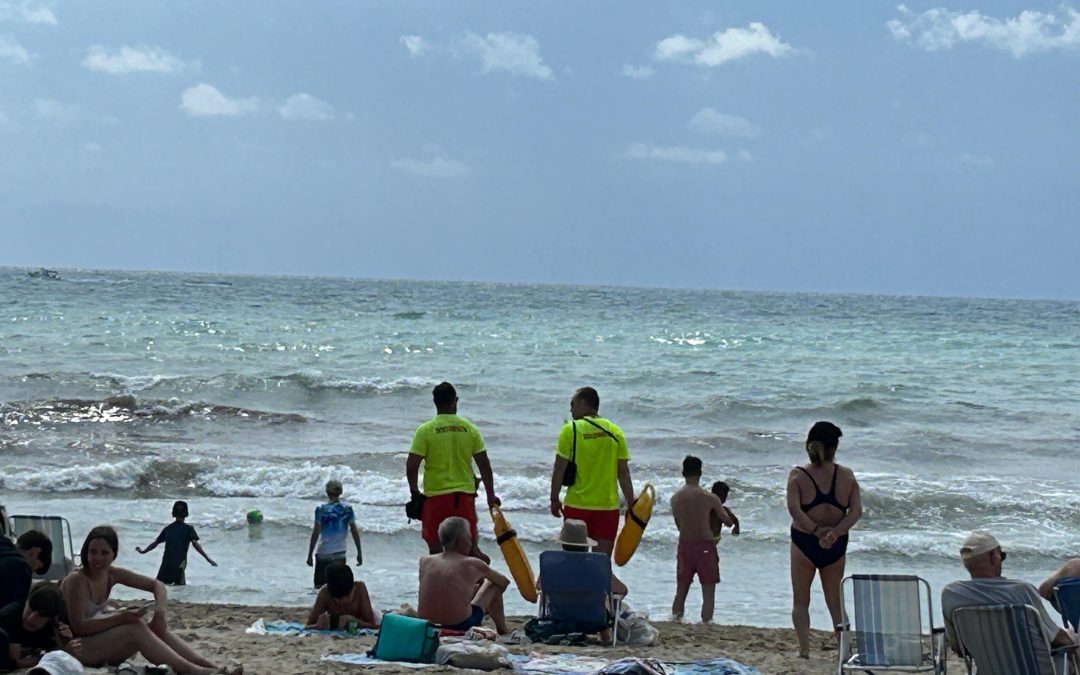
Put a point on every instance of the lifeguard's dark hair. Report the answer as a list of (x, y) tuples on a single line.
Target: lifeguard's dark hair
[(589, 396), (444, 395)]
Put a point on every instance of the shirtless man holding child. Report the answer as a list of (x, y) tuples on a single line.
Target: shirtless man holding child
[(456, 590), (694, 509)]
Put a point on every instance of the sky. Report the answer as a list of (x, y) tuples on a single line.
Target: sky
[(866, 147)]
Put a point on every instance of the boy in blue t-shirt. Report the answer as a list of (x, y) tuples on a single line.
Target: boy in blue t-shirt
[(332, 521)]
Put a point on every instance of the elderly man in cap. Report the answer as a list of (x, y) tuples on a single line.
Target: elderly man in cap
[(983, 558)]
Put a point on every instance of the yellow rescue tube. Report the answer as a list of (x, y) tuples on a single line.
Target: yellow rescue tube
[(637, 519), (515, 556)]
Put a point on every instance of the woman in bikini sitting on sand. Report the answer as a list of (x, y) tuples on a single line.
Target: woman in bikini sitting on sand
[(110, 636), (820, 521)]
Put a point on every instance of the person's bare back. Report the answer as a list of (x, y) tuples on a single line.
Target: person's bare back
[(693, 507), (448, 583)]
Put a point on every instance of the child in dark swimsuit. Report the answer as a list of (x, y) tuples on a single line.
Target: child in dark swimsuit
[(721, 490)]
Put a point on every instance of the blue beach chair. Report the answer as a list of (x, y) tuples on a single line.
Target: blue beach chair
[(1007, 640), (1067, 600), (886, 634), (58, 531), (576, 587)]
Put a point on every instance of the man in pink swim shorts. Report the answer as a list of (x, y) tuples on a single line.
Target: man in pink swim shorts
[(693, 508)]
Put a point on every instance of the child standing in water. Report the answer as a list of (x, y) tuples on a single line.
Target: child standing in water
[(333, 521), (177, 537), (721, 490)]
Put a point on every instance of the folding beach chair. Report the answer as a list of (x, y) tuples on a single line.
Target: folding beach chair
[(1067, 600), (576, 587), (1007, 640), (58, 531), (887, 634)]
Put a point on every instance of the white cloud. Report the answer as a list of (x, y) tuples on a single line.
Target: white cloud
[(709, 121), (203, 100), (676, 153), (11, 50), (1029, 32), (26, 12), (637, 72), (306, 107), (415, 44), (437, 167), (723, 46), (139, 59), (513, 53)]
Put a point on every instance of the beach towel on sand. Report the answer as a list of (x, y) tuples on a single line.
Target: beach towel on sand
[(576, 663), (295, 628), (365, 660), (571, 664)]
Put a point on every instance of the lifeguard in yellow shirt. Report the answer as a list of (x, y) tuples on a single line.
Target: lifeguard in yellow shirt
[(448, 445), (597, 449)]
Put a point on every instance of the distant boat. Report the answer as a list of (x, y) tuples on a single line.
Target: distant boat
[(44, 274)]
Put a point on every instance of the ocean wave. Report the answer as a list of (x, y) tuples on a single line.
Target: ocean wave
[(311, 382), (126, 408)]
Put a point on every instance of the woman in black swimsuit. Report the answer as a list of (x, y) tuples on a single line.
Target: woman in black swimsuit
[(820, 520)]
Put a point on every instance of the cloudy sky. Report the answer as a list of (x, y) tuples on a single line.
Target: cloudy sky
[(923, 148)]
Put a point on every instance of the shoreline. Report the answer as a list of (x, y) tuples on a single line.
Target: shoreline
[(218, 631)]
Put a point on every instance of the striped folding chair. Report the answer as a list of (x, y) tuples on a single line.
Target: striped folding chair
[(58, 531), (1007, 640), (1067, 601), (886, 633)]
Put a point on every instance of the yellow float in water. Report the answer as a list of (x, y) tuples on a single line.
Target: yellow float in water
[(637, 519), (515, 556)]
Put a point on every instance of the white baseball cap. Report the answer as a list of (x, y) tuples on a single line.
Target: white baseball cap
[(977, 543), (57, 663)]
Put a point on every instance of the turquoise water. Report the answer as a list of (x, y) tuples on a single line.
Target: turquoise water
[(250, 392)]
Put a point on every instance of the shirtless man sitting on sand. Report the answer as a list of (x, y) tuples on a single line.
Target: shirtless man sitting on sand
[(693, 508), (341, 602), (456, 590)]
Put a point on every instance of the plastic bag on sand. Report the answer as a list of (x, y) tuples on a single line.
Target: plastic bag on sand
[(633, 665), (633, 628), (475, 655)]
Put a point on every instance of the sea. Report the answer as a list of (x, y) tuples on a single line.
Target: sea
[(249, 392)]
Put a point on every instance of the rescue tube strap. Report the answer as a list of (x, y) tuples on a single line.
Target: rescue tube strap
[(505, 537), (640, 523)]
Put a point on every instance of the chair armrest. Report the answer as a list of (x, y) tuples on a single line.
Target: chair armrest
[(842, 627), (1055, 651), (939, 631)]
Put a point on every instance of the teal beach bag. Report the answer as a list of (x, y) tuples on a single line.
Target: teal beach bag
[(403, 638)]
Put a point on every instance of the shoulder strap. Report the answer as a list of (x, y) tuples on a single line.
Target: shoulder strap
[(573, 451), (832, 487), (602, 428), (810, 477)]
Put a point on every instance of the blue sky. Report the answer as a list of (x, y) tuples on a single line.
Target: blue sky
[(927, 148)]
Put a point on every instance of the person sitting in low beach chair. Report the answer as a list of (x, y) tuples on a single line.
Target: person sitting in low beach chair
[(574, 593), (456, 590), (983, 557), (342, 603)]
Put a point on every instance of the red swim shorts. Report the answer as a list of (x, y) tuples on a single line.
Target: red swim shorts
[(700, 558), (601, 524), (441, 507)]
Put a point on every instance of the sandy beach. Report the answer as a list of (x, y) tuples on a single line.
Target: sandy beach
[(218, 631)]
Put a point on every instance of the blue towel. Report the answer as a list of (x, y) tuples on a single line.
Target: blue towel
[(719, 666), (295, 628)]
